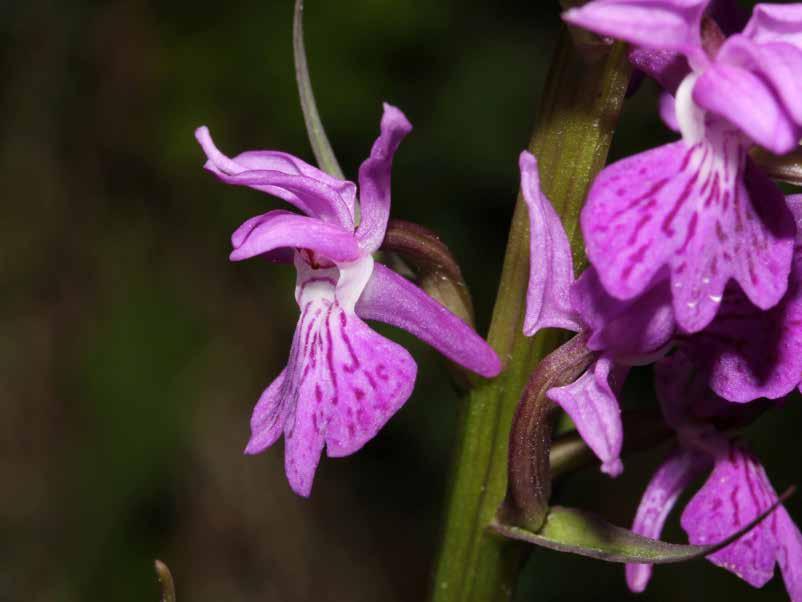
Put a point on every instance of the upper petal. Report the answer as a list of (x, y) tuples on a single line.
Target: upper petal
[(312, 191), (776, 23), (551, 268), (267, 160), (591, 403), (277, 229), (778, 63), (671, 479), (690, 208), (625, 329), (736, 493), (667, 24), (394, 300), (374, 178), (748, 102)]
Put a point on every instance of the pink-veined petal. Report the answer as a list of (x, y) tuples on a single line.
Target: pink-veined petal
[(752, 353), (291, 180), (625, 329), (277, 229), (374, 179), (269, 416), (666, 24), (591, 403), (779, 64), (690, 208), (736, 492), (671, 479), (392, 299), (789, 554), (776, 23), (748, 102), (342, 383), (551, 268)]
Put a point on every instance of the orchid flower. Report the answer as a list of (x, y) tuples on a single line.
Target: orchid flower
[(343, 381), (698, 212), (747, 353), (736, 491), (624, 333)]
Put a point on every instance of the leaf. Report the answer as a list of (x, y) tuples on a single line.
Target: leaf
[(314, 127), (586, 534)]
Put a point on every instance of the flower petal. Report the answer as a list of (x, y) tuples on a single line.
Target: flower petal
[(625, 329), (667, 67), (269, 416), (307, 188), (777, 63), (392, 299), (671, 479), (749, 103), (690, 208), (551, 268), (736, 492), (342, 383), (789, 554), (266, 160), (751, 353), (277, 229), (591, 403), (374, 179), (667, 24), (776, 23)]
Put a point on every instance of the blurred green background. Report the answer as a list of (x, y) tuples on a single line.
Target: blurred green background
[(132, 350)]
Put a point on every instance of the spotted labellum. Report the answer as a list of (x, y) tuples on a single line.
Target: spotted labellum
[(700, 207)]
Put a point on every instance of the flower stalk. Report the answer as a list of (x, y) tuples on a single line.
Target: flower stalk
[(579, 111)]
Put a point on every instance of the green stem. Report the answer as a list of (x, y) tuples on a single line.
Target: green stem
[(579, 111)]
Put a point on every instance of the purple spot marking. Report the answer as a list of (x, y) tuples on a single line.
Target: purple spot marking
[(689, 234), (354, 359)]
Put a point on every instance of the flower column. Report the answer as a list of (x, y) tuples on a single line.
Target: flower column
[(579, 111)]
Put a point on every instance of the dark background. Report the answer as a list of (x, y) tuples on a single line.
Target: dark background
[(132, 351)]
